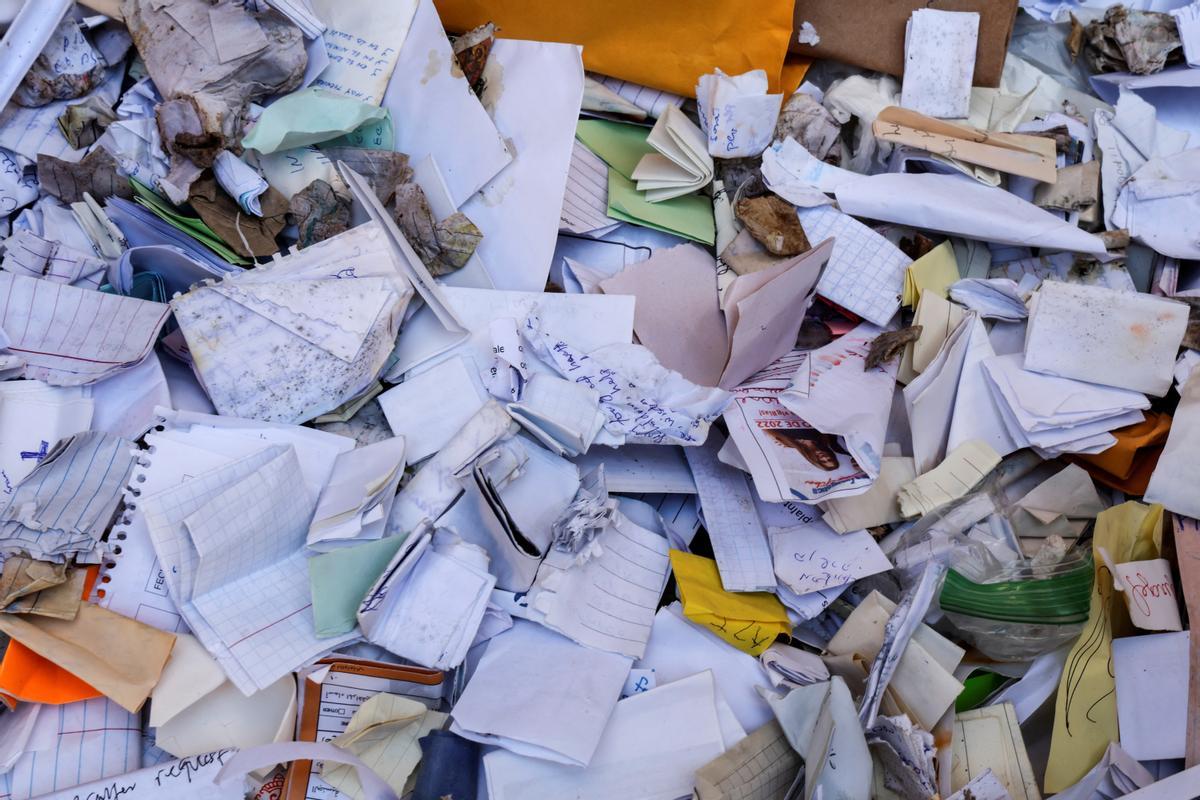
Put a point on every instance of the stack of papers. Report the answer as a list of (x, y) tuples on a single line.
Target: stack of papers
[(241, 594), (444, 398), (1076, 420), (1103, 336), (438, 582), (623, 147)]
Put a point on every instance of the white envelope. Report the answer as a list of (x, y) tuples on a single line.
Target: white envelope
[(518, 210), (453, 125)]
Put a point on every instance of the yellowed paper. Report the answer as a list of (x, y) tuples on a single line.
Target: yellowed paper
[(60, 602), (1017, 154), (1085, 711), (932, 272), (119, 656), (938, 318), (923, 685), (962, 470), (383, 732), (990, 738)]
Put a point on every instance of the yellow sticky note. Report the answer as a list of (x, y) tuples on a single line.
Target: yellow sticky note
[(1085, 712), (749, 621), (933, 272)]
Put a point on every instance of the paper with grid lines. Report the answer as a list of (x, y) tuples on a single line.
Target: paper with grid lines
[(865, 274), (760, 767), (231, 544), (739, 541)]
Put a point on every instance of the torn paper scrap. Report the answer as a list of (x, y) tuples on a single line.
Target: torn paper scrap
[(339, 352)]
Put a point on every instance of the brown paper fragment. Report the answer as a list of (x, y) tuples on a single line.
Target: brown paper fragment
[(183, 134), (1187, 550), (1077, 188), (457, 237), (83, 123), (809, 123), (121, 657), (60, 602), (471, 51), (1141, 42), (889, 345), (383, 169), (247, 234), (415, 219), (773, 222), (22, 576), (319, 213), (97, 174)]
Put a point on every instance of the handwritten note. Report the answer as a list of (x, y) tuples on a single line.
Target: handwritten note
[(1150, 594), (642, 400), (18, 186), (363, 44), (814, 557), (737, 114)]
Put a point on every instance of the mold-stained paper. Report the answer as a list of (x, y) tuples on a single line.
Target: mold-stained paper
[(939, 62)]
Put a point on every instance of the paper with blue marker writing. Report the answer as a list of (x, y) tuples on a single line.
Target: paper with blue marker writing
[(737, 114), (814, 557), (363, 41)]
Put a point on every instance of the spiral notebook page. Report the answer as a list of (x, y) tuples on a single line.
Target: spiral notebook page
[(133, 582), (248, 604)]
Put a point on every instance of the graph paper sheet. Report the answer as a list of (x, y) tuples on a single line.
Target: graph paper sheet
[(865, 274), (231, 544), (738, 539)]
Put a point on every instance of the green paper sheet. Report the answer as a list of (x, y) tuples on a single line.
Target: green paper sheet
[(341, 579), (622, 146), (309, 116), (690, 216), (374, 135)]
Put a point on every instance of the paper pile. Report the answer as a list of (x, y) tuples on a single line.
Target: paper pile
[(477, 398)]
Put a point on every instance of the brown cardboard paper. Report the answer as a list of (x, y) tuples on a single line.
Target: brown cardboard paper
[(873, 36)]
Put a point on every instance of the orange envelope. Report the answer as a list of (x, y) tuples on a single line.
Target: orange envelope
[(24, 675), (1127, 465), (667, 45)]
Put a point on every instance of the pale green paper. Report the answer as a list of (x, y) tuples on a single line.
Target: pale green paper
[(309, 116), (622, 146), (375, 135), (341, 578), (690, 216)]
